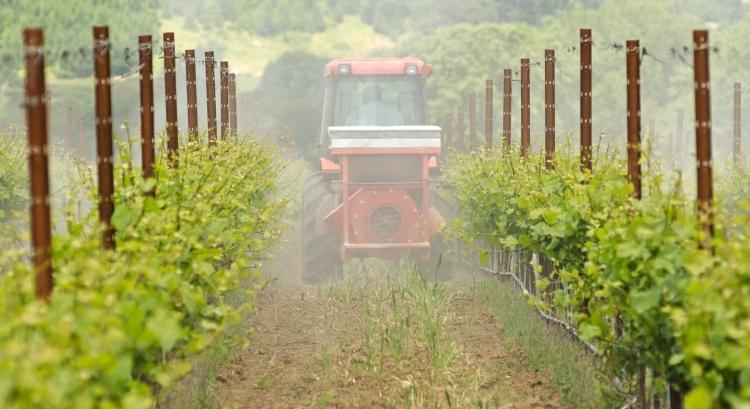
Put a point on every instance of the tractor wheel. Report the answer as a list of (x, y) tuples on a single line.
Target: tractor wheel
[(439, 265), (321, 248)]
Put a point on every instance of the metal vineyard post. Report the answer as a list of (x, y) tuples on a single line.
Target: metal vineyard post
[(170, 96), (447, 132), (703, 126), (549, 132), (586, 97), (549, 107), (525, 107), (737, 137), (633, 73), (233, 106), (103, 101), (460, 145), (632, 58), (507, 95), (210, 97), (472, 102), (145, 58), (488, 88), (224, 84), (192, 96), (35, 104)]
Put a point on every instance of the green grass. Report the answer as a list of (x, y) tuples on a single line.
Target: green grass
[(262, 383), (408, 350), (573, 369), (350, 38), (407, 346), (324, 400)]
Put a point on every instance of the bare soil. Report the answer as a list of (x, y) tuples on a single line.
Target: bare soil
[(308, 349)]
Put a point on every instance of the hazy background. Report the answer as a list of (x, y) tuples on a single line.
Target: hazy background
[(278, 49)]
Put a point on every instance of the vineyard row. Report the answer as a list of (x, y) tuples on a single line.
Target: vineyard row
[(36, 97), (621, 268)]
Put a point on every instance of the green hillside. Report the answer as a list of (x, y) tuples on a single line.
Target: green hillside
[(250, 53)]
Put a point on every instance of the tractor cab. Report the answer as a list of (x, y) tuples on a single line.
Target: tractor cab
[(374, 92), (371, 196)]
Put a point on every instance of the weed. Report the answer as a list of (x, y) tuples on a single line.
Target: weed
[(572, 369), (323, 359), (262, 383), (324, 400)]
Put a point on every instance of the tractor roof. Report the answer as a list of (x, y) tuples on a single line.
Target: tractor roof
[(378, 66)]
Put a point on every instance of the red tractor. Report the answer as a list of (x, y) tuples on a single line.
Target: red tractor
[(371, 196)]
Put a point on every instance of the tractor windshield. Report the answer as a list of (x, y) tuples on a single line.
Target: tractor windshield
[(377, 100)]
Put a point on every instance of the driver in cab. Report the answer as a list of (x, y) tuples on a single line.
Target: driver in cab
[(373, 111)]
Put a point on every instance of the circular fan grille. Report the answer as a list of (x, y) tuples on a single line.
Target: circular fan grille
[(385, 222)]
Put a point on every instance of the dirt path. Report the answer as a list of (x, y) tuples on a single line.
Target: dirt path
[(394, 343)]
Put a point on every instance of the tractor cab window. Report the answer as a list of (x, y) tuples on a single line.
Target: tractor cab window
[(377, 101)]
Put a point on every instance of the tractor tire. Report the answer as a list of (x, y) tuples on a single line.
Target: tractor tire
[(321, 248), (440, 264)]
